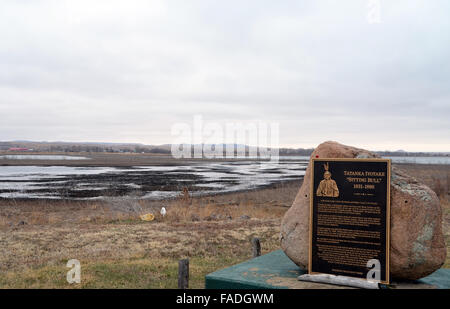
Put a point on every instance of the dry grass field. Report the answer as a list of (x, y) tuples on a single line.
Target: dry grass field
[(118, 250)]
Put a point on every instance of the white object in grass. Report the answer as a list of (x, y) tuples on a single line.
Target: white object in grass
[(163, 211)]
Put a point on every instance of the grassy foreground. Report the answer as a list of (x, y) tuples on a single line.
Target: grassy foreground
[(118, 250), (147, 269)]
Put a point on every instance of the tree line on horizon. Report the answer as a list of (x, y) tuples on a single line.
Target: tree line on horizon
[(162, 149)]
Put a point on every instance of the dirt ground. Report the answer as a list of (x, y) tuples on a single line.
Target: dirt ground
[(118, 250)]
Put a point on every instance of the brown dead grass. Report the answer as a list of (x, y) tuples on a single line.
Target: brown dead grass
[(31, 246), (261, 204), (37, 238), (128, 254)]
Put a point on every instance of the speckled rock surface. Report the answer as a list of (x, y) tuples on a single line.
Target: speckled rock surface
[(417, 243)]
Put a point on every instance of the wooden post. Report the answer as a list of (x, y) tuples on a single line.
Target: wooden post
[(183, 274), (256, 247)]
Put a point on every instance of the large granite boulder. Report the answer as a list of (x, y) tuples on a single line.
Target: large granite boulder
[(417, 244)]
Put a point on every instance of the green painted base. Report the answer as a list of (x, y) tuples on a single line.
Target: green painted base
[(276, 271)]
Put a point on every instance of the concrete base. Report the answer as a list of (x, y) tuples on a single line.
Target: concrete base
[(276, 271)]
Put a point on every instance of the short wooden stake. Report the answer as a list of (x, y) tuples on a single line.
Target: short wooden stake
[(183, 274), (256, 247)]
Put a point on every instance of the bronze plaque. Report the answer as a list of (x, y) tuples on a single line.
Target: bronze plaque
[(349, 219)]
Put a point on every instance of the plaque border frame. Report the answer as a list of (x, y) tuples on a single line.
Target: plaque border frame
[(388, 209)]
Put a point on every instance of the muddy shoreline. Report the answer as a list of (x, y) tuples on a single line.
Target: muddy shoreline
[(140, 177), (192, 194)]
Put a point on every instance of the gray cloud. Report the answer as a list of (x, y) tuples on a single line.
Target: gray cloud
[(128, 70)]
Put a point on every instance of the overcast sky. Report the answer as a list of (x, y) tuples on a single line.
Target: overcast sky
[(127, 71)]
